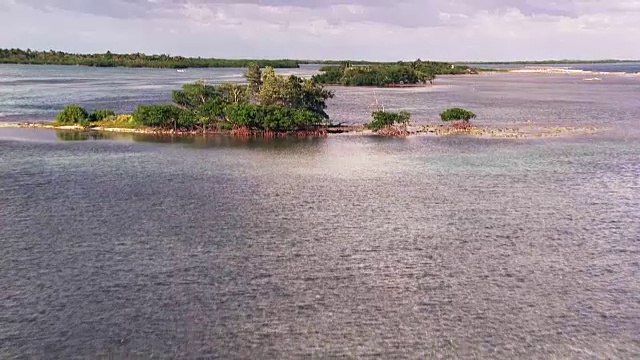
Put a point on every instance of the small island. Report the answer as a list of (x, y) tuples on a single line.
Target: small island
[(269, 105), (389, 75)]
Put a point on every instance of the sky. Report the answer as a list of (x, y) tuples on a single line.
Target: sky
[(385, 30)]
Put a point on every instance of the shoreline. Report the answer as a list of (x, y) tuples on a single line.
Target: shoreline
[(528, 131), (567, 71)]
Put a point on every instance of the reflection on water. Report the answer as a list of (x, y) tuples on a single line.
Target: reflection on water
[(197, 141), (127, 245), (214, 247), (71, 135)]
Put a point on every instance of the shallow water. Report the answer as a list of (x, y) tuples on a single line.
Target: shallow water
[(127, 245), (345, 246), (29, 93)]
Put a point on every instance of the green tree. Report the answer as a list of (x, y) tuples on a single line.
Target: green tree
[(385, 119), (457, 114), (72, 114), (164, 116), (234, 93), (192, 96), (273, 89), (314, 97), (254, 78), (101, 114)]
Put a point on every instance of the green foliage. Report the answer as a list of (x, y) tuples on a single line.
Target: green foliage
[(315, 96), (274, 89), (271, 117), (192, 96), (164, 116), (206, 103), (72, 114), (101, 114), (254, 78), (210, 112), (280, 104), (457, 114), (293, 92), (118, 121), (234, 93), (17, 56), (382, 119)]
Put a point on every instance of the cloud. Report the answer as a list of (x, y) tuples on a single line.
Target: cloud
[(409, 13), (380, 29)]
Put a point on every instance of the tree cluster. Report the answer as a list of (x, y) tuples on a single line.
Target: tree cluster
[(76, 115), (269, 102)]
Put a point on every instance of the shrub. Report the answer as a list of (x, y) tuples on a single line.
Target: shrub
[(457, 114), (117, 121), (192, 96), (72, 114), (383, 119), (163, 116), (101, 114), (271, 117)]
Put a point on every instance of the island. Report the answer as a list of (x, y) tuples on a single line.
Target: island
[(270, 105), (141, 60), (389, 75)]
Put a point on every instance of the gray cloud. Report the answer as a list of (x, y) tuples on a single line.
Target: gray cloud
[(410, 13), (449, 29)]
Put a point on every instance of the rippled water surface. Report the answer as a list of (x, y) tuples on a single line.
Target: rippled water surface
[(127, 246)]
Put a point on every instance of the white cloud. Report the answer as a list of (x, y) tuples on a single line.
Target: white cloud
[(385, 30)]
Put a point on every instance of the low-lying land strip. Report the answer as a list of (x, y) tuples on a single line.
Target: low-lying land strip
[(271, 105), (529, 131)]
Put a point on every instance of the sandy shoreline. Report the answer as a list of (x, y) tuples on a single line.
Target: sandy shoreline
[(567, 71), (523, 132)]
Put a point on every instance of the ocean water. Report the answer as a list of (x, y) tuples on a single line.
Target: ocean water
[(130, 246)]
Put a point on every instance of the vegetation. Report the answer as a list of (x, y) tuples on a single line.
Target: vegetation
[(100, 114), (457, 114), (72, 115), (162, 116), (108, 59), (76, 115), (385, 119), (270, 102), (118, 121), (401, 73), (275, 118)]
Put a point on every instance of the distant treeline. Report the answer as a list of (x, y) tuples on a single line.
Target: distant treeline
[(390, 74), (137, 60)]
